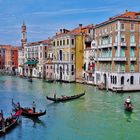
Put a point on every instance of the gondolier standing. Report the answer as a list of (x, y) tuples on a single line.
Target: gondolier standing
[(34, 106)]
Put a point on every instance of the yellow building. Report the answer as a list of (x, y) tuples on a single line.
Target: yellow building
[(68, 53)]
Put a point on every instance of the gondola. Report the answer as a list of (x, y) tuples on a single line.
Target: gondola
[(65, 98), (30, 80), (9, 124), (28, 112), (127, 107)]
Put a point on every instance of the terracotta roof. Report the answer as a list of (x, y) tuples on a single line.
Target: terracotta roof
[(40, 42), (127, 15), (78, 30)]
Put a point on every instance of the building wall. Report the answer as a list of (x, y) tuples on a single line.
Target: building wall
[(79, 56)]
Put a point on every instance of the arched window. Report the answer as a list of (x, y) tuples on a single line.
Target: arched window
[(132, 80), (115, 80), (111, 79), (122, 80)]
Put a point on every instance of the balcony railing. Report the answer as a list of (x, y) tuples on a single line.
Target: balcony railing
[(105, 46), (123, 44), (132, 58), (133, 44), (104, 59), (121, 58)]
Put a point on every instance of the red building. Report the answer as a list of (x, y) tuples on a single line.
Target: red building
[(8, 57)]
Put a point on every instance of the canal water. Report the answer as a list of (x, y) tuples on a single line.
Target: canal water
[(99, 115)]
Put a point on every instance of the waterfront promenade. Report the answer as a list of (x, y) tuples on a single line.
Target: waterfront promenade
[(99, 115)]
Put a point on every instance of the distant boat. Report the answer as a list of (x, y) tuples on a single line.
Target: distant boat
[(49, 80), (30, 79), (65, 98), (128, 107)]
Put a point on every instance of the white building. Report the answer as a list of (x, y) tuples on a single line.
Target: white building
[(35, 54), (89, 65)]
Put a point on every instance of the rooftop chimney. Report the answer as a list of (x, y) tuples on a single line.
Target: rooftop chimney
[(60, 30)]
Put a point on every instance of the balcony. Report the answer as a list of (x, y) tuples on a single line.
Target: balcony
[(132, 58), (133, 44), (104, 59), (95, 59), (115, 44), (121, 58), (123, 44), (105, 46)]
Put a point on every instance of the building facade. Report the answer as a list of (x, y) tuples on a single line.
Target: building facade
[(68, 50), (35, 55), (89, 64), (8, 58), (117, 52)]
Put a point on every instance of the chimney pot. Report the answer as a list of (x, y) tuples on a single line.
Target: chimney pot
[(80, 25)]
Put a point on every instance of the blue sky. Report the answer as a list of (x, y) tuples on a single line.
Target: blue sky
[(45, 17)]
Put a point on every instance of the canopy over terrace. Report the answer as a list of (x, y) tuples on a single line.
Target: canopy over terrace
[(31, 62)]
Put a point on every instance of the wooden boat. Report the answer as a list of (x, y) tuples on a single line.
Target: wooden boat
[(10, 123), (65, 98), (30, 80), (128, 107), (28, 112), (49, 80)]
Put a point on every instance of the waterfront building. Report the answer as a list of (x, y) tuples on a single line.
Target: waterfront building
[(35, 54), (2, 58), (89, 64), (8, 58), (68, 53), (48, 64), (117, 47)]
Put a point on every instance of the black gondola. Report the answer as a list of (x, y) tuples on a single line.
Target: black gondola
[(9, 124), (128, 107), (30, 80), (28, 112), (65, 98)]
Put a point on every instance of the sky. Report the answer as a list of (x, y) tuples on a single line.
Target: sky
[(44, 18)]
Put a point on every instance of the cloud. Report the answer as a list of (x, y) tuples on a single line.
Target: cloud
[(72, 11)]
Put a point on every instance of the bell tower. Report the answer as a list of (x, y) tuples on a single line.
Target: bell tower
[(24, 35)]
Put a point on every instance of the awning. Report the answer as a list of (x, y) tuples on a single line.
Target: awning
[(31, 62)]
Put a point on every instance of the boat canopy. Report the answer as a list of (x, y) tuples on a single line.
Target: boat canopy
[(31, 62)]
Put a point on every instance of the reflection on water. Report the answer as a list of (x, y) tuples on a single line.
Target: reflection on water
[(128, 115), (98, 115)]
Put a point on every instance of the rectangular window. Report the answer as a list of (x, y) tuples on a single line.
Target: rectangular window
[(122, 38), (132, 26), (132, 52), (122, 66), (64, 42), (116, 38), (72, 57), (132, 67), (67, 41), (122, 52), (122, 26), (110, 39), (132, 39), (72, 41)]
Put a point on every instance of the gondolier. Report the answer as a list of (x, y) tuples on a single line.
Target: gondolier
[(34, 106)]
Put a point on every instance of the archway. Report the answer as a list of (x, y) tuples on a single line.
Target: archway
[(105, 80), (60, 73)]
